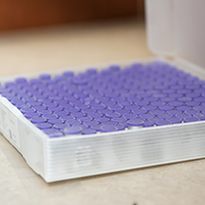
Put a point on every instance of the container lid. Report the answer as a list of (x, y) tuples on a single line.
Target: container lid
[(177, 28)]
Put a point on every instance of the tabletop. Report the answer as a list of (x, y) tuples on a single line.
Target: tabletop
[(50, 48)]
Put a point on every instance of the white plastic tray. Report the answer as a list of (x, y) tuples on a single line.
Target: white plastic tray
[(77, 156)]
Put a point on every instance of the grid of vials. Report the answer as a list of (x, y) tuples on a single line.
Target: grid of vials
[(108, 100)]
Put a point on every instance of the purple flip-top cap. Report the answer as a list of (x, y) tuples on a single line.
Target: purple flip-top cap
[(91, 123), (45, 77), (44, 111), (73, 130), (88, 131), (38, 120), (31, 115), (50, 116), (176, 104), (68, 74), (78, 114), (60, 126), (85, 119), (148, 124), (200, 116), (130, 116), (138, 111), (157, 112), (114, 68), (175, 120), (43, 125), (55, 121), (21, 80), (163, 122), (108, 128), (91, 71), (27, 110), (109, 123), (183, 115), (62, 113), (73, 122), (112, 115), (190, 119), (52, 133), (166, 107), (119, 119), (95, 115), (165, 116), (191, 111), (183, 108), (146, 116), (102, 119), (135, 122), (192, 103)]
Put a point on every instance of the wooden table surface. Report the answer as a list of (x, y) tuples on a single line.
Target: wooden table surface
[(65, 46)]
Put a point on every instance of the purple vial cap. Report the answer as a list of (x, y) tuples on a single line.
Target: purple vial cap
[(68, 74), (21, 80), (165, 116), (135, 122), (88, 131), (191, 119), (73, 130), (91, 123), (27, 110), (44, 112), (31, 115), (166, 107), (108, 128), (73, 122), (102, 119), (52, 133), (121, 126), (78, 114), (43, 125), (60, 126), (175, 120), (163, 122), (200, 116), (38, 120), (119, 119), (50, 116), (55, 121), (45, 77), (112, 115), (148, 124)]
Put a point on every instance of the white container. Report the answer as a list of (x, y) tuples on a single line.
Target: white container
[(176, 29)]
